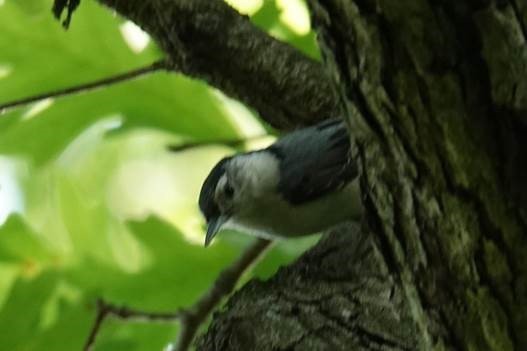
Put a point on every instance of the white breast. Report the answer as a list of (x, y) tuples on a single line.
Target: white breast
[(270, 215)]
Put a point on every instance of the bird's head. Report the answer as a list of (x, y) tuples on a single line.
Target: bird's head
[(234, 191), (219, 197)]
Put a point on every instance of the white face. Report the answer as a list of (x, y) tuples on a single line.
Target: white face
[(242, 191), (234, 200), (227, 195)]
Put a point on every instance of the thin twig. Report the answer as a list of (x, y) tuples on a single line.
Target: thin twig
[(105, 309), (90, 86), (226, 142), (192, 317)]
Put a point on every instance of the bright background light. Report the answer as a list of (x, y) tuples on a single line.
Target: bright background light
[(11, 197), (135, 37)]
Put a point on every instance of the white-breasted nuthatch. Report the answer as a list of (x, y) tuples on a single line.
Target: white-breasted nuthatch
[(302, 184)]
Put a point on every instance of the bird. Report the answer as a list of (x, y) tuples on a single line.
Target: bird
[(304, 183)]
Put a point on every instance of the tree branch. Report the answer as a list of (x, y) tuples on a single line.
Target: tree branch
[(224, 284), (208, 40), (337, 296), (105, 309), (192, 317), (85, 87)]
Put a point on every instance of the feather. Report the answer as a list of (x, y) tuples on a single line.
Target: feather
[(314, 161)]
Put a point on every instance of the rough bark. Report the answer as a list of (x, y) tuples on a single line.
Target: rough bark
[(208, 40), (436, 98), (338, 296)]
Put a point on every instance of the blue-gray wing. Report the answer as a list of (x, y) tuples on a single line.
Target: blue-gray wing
[(314, 161)]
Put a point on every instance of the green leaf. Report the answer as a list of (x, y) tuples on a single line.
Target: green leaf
[(177, 274), (70, 246), (22, 314), (18, 243), (267, 18), (93, 48)]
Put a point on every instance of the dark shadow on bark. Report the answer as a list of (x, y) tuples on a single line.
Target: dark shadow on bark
[(338, 296)]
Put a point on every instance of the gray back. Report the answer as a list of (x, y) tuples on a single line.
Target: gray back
[(314, 161)]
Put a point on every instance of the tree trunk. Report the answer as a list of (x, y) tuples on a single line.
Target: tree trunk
[(435, 93), (436, 98)]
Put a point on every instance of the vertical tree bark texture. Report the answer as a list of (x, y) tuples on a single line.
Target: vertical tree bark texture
[(436, 97), (436, 94)]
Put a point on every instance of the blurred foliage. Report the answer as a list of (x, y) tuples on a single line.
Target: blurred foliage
[(91, 202)]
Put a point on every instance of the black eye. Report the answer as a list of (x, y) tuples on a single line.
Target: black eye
[(229, 191)]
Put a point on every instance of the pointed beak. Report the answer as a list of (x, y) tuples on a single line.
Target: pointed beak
[(213, 227)]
